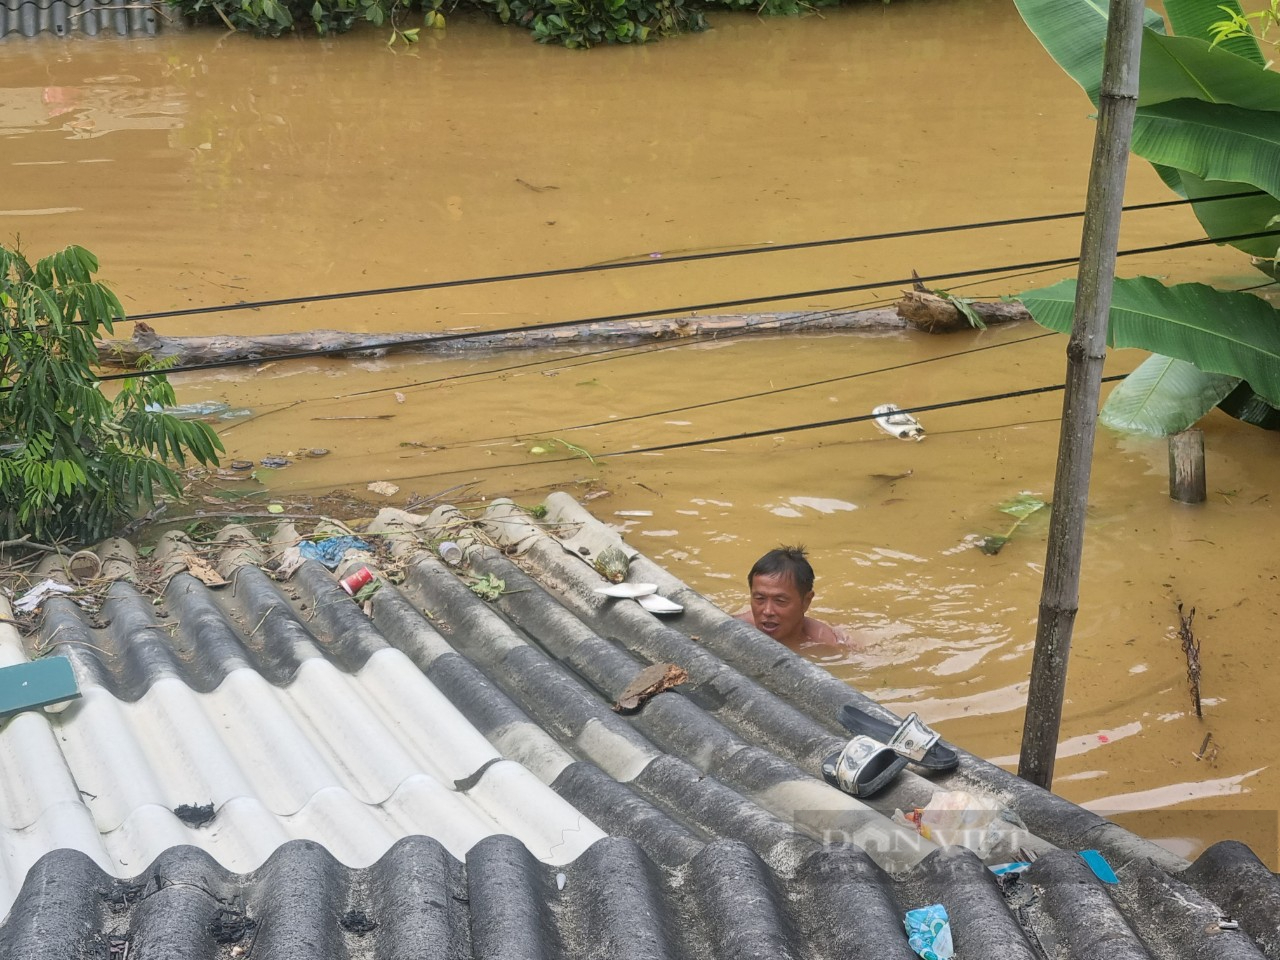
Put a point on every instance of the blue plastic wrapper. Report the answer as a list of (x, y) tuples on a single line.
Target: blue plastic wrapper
[(929, 932), (1098, 864), (329, 552)]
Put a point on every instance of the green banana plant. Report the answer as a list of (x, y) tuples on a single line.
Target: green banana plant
[(1208, 120)]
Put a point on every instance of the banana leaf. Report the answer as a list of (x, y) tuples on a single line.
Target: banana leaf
[(1232, 218), (1193, 18), (1074, 33), (1245, 405), (1188, 68), (1236, 334), (1173, 179), (1214, 141), (1163, 396)]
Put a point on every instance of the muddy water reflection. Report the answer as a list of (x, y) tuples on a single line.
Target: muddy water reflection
[(206, 170)]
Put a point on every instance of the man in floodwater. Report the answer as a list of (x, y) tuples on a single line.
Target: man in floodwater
[(781, 585)]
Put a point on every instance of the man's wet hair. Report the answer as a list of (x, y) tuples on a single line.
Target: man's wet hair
[(790, 562)]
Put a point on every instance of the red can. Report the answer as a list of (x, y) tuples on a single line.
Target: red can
[(355, 581)]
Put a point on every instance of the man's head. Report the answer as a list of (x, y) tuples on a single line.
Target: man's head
[(781, 585)]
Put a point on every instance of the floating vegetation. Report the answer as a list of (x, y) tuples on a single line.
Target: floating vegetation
[(543, 447), (1191, 650), (1021, 507)]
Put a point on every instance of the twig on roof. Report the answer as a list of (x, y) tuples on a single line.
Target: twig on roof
[(44, 649), (421, 501), (238, 515), (260, 622)]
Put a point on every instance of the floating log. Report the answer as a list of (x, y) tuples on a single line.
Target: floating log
[(224, 347)]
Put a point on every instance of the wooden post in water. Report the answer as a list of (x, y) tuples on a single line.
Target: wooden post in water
[(1086, 349), (1186, 466)]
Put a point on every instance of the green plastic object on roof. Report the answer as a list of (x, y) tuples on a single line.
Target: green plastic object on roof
[(37, 683)]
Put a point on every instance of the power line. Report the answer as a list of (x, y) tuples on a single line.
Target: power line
[(583, 359), (434, 339), (750, 396), (623, 352), (755, 434), (734, 399), (595, 356), (628, 350), (649, 262), (861, 418), (753, 396), (631, 349)]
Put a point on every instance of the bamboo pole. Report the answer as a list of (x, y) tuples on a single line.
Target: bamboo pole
[(1086, 350)]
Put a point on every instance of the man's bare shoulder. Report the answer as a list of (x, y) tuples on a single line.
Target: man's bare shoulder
[(821, 632)]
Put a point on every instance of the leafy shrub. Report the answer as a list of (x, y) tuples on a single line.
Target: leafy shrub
[(585, 23), (272, 18), (571, 23), (74, 464)]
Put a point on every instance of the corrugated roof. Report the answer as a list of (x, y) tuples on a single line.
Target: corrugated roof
[(67, 17), (436, 774)]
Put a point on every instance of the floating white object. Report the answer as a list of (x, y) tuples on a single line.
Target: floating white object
[(891, 419), (628, 590), (656, 604)]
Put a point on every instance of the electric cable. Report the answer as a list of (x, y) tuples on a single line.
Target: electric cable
[(592, 356), (756, 434), (747, 396), (675, 344), (636, 349), (841, 421), (628, 350), (651, 261), (667, 311)]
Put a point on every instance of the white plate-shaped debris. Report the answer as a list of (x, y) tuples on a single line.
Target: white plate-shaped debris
[(628, 590), (656, 604), (897, 423)]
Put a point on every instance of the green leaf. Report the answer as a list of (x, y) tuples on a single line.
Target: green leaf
[(1074, 33), (1177, 68), (1163, 396), (1245, 405), (489, 587), (1195, 18), (1232, 218), (992, 544), (1236, 334), (1212, 141), (1022, 506)]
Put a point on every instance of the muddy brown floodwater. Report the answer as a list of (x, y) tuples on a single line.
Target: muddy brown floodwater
[(206, 169)]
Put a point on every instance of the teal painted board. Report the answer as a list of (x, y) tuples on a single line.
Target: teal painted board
[(37, 683)]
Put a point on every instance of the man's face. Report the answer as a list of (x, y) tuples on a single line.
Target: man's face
[(778, 607)]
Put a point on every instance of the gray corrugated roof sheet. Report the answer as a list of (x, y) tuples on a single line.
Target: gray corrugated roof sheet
[(436, 775), (67, 17)]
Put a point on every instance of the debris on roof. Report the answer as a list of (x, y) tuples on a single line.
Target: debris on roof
[(278, 768)]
